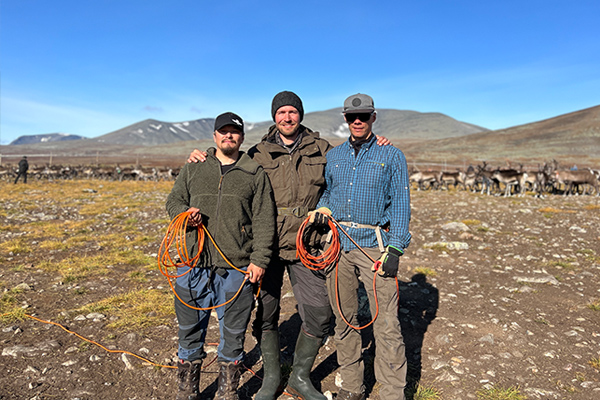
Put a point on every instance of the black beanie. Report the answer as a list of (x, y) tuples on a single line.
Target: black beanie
[(286, 98)]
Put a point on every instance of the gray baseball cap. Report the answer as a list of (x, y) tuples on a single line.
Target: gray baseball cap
[(359, 103)]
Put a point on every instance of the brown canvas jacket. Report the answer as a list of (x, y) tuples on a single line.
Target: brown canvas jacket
[(297, 180)]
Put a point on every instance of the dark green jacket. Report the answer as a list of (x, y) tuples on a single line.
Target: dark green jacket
[(297, 180), (237, 209)]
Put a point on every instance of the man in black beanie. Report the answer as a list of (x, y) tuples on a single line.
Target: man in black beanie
[(294, 158), (286, 98)]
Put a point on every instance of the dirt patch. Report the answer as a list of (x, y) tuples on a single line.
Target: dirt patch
[(494, 292)]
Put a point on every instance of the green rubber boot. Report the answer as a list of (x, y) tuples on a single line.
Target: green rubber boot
[(269, 346), (299, 383)]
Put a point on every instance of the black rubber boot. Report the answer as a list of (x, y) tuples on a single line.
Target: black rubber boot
[(269, 346), (229, 379), (299, 383), (189, 379)]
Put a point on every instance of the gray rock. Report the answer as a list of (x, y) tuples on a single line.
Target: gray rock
[(455, 226), (22, 286), (447, 245), (545, 279), (95, 316), (126, 361), (15, 351), (489, 338), (442, 339)]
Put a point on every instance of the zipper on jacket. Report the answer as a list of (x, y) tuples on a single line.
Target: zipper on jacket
[(294, 178), (219, 196)]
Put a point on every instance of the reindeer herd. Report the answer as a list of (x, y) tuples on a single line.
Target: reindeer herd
[(547, 179), (57, 172)]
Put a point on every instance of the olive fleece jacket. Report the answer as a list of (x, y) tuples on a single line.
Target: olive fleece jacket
[(237, 208)]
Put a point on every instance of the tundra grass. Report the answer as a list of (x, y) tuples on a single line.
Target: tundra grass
[(10, 311), (135, 310), (595, 363), (594, 305), (425, 271), (500, 393), (564, 265), (552, 210), (16, 246), (592, 207), (79, 267), (426, 393)]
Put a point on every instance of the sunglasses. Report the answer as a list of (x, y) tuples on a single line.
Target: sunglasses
[(363, 117)]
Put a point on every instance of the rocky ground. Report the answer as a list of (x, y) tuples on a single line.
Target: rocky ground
[(495, 293)]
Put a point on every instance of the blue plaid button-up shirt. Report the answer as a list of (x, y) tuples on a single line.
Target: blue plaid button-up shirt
[(371, 189)]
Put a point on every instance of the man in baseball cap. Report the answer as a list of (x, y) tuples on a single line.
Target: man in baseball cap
[(376, 214), (231, 196)]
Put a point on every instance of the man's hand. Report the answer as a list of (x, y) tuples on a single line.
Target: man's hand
[(320, 216), (195, 218), (255, 273), (388, 262), (196, 156), (383, 141)]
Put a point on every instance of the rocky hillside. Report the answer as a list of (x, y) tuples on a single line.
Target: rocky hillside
[(575, 136), (45, 138), (397, 124)]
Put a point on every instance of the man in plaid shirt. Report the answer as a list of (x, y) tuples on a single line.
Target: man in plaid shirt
[(367, 192)]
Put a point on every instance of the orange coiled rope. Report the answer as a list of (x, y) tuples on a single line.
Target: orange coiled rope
[(331, 256), (176, 233), (322, 261)]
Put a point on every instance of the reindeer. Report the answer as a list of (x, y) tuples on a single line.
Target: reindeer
[(470, 179), (486, 178), (511, 178), (542, 180), (164, 174), (572, 178), (421, 178), (453, 178)]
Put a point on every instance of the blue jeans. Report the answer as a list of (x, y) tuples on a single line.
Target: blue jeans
[(212, 288)]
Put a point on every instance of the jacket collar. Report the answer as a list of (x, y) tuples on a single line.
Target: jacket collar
[(308, 137), (244, 162)]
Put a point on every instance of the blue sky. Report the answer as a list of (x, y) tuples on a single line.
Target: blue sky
[(91, 67)]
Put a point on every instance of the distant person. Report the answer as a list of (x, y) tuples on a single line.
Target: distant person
[(230, 194), (23, 167)]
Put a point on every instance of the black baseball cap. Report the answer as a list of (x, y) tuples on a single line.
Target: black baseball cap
[(229, 118)]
